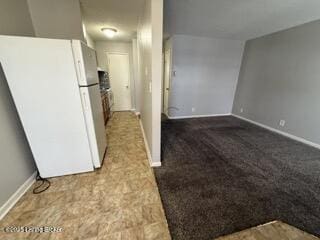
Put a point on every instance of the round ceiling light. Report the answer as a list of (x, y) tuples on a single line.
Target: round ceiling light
[(109, 32)]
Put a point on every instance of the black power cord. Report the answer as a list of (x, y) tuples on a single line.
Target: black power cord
[(45, 184)]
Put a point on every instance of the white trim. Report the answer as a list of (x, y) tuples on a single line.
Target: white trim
[(166, 111), (6, 207), (299, 139), (152, 164), (200, 116), (156, 164), (165, 115)]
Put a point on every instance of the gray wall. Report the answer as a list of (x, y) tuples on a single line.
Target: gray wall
[(15, 18), (280, 79), (17, 163), (207, 71), (57, 19)]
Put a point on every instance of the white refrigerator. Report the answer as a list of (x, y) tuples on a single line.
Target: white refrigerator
[(55, 87)]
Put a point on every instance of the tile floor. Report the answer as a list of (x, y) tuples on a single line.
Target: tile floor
[(119, 201), (271, 231)]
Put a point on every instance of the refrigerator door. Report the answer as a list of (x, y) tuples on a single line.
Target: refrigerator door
[(86, 63), (43, 83), (92, 108)]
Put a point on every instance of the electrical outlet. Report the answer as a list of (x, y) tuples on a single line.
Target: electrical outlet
[(241, 110), (282, 123), (193, 109)]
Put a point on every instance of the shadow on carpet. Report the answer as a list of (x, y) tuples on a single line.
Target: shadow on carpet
[(221, 175)]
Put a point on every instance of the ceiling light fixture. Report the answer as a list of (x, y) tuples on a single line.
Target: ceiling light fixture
[(109, 32)]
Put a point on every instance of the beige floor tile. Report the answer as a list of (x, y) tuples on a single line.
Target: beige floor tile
[(69, 230), (136, 233), (271, 231), (88, 227), (110, 216), (118, 201), (156, 231), (140, 198), (110, 228), (132, 217), (152, 213), (114, 236)]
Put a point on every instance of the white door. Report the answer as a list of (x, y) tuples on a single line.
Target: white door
[(92, 106), (119, 74), (167, 77)]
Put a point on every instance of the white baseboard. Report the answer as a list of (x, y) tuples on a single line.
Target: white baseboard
[(299, 139), (152, 164), (200, 116), (156, 164), (165, 114), (5, 208)]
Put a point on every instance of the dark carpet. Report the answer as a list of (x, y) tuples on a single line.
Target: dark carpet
[(221, 175)]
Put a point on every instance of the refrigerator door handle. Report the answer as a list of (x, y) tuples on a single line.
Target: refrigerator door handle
[(79, 69), (84, 99)]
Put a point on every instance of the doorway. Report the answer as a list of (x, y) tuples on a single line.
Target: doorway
[(119, 74), (166, 81)]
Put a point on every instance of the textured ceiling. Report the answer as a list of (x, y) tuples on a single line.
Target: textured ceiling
[(120, 14), (237, 19)]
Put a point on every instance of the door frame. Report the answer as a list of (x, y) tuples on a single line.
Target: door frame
[(166, 111), (130, 85)]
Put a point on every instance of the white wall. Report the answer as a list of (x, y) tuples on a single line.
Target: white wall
[(136, 74), (17, 163), (90, 42), (150, 68), (207, 71), (279, 80), (102, 47), (56, 19), (157, 75), (144, 39)]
